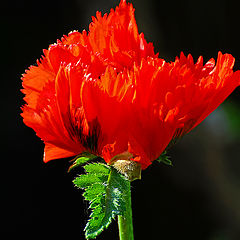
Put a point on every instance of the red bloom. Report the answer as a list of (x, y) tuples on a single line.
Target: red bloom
[(106, 92)]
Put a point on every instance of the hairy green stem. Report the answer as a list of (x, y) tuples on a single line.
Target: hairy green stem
[(125, 223)]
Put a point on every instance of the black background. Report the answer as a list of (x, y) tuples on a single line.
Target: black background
[(198, 198)]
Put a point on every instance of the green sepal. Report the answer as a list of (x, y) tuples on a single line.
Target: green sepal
[(165, 159), (82, 159), (105, 189)]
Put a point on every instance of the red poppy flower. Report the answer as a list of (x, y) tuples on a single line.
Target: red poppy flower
[(108, 93)]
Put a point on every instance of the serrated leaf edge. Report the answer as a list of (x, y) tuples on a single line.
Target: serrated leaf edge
[(107, 219)]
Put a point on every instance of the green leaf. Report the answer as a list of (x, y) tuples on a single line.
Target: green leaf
[(81, 159), (165, 159), (105, 189), (85, 181), (97, 168)]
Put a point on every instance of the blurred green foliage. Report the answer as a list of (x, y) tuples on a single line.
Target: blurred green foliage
[(232, 111)]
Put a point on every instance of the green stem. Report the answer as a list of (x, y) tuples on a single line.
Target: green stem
[(125, 223)]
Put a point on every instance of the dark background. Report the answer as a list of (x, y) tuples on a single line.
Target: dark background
[(198, 198)]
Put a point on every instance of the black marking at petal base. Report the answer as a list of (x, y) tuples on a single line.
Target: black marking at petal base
[(89, 141), (93, 138)]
